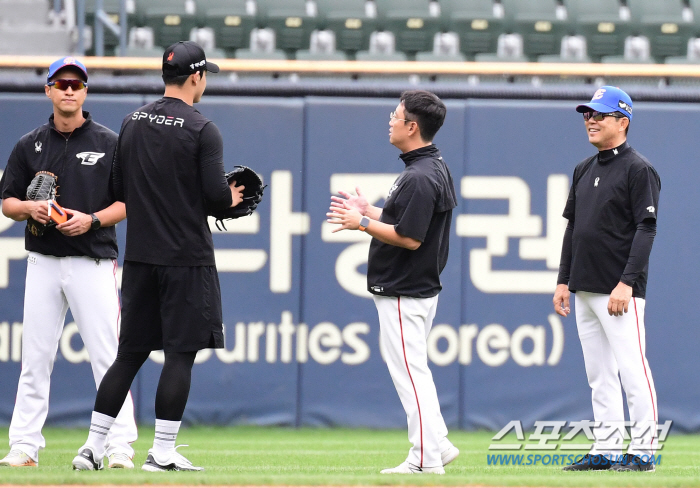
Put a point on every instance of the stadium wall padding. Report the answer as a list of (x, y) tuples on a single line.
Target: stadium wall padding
[(301, 331)]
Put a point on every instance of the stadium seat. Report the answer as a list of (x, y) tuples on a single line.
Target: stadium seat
[(445, 48), (663, 24), (140, 52), (232, 21), (322, 47), (262, 46), (412, 21), (600, 23), (637, 50), (204, 36), (382, 47), (475, 21), (539, 24), (692, 54), (351, 21), (292, 21), (509, 49), (171, 20), (573, 50)]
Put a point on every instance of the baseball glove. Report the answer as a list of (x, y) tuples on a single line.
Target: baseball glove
[(42, 187), (252, 195)]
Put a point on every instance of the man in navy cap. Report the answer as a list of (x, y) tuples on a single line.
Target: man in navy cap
[(72, 265), (612, 210)]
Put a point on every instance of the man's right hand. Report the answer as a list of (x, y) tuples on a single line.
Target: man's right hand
[(561, 300), (236, 194), (358, 202), (38, 210)]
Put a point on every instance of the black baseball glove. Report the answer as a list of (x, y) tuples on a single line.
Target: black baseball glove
[(252, 195), (42, 187)]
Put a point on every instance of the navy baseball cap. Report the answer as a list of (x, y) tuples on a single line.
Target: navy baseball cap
[(59, 64), (608, 99), (186, 58)]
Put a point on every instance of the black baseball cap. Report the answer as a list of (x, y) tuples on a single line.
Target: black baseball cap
[(186, 58)]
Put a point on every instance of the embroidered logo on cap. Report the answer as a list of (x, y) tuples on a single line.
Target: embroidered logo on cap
[(598, 94), (170, 56), (624, 106)]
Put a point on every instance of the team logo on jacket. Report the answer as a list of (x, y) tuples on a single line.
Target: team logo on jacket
[(37, 147), (89, 158), (596, 181), (392, 189), (651, 208)]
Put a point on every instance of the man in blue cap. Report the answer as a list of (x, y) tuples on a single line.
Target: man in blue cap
[(72, 265), (612, 210)]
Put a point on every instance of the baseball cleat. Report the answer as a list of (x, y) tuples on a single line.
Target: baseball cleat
[(176, 462), (633, 462), (590, 462), (85, 461), (449, 455), (17, 458), (119, 460), (408, 468)]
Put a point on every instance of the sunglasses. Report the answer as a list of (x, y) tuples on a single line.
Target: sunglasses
[(63, 85), (598, 116)]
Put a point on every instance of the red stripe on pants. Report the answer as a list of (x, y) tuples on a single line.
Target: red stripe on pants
[(420, 419), (651, 393)]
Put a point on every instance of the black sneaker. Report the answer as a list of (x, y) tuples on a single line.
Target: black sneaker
[(85, 461), (590, 462), (630, 462)]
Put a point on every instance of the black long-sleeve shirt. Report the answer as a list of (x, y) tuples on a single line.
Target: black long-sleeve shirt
[(169, 171), (612, 208)]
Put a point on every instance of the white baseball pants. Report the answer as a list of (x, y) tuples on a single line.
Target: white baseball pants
[(615, 346), (404, 326), (53, 284)]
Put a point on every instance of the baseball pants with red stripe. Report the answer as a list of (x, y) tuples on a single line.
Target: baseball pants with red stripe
[(614, 350), (53, 284), (404, 326)]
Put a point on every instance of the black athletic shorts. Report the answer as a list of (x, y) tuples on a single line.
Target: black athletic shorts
[(174, 308)]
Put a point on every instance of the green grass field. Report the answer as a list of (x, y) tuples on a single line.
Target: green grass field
[(282, 456)]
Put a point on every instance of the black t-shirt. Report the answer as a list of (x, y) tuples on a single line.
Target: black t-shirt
[(419, 206), (82, 163), (612, 192), (169, 171)]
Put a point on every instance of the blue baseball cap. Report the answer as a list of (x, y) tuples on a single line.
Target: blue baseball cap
[(59, 64), (608, 99)]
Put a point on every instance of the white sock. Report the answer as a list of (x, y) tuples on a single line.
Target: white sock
[(99, 428), (164, 441)]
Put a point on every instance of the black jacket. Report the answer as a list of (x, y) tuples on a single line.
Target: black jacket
[(169, 171), (82, 162), (419, 205)]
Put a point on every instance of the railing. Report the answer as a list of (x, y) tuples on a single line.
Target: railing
[(102, 21), (380, 67)]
